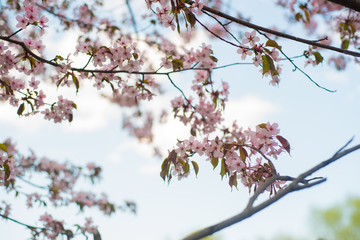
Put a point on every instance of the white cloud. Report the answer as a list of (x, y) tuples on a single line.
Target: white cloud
[(248, 111), (130, 147)]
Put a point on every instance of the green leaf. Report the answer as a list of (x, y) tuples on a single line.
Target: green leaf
[(76, 82), (177, 64), (97, 235), (265, 64), (345, 44), (187, 167), (21, 109), (263, 125), (214, 162), (243, 153), (268, 64), (7, 171), (71, 117), (272, 43), (223, 168), (74, 105), (318, 57), (3, 147), (196, 167), (165, 166), (353, 29), (193, 131)]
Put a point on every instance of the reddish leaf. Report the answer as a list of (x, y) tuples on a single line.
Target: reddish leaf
[(190, 17), (164, 172), (7, 171), (172, 156), (233, 180), (21, 109), (284, 143)]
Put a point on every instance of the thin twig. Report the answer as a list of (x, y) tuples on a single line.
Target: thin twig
[(21, 223), (297, 68), (132, 16)]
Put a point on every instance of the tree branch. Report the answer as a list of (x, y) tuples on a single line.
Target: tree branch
[(279, 34), (296, 184), (352, 4)]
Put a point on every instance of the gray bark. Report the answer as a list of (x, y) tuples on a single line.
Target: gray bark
[(352, 4)]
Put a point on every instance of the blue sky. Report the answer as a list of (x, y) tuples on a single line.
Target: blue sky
[(315, 122)]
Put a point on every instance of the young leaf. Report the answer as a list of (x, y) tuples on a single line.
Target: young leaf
[(196, 167), (21, 109), (190, 17), (177, 64), (3, 147), (164, 169), (187, 167), (223, 168), (345, 44), (7, 171), (243, 153), (284, 143), (97, 235), (318, 57), (214, 162), (233, 180), (262, 125), (76, 82), (172, 156), (265, 64), (272, 43)]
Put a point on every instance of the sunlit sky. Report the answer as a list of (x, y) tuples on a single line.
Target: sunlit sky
[(316, 123)]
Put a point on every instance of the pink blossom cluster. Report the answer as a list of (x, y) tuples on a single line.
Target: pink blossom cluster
[(89, 226), (5, 209), (53, 228), (143, 131), (244, 154), (88, 199), (32, 15), (203, 113), (124, 54), (60, 190), (167, 12), (60, 111), (249, 46), (338, 19)]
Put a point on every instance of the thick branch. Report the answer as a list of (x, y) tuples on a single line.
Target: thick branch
[(296, 184), (279, 34), (352, 4)]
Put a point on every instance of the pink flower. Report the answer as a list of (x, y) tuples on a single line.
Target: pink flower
[(251, 38), (33, 83), (22, 22), (43, 20)]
